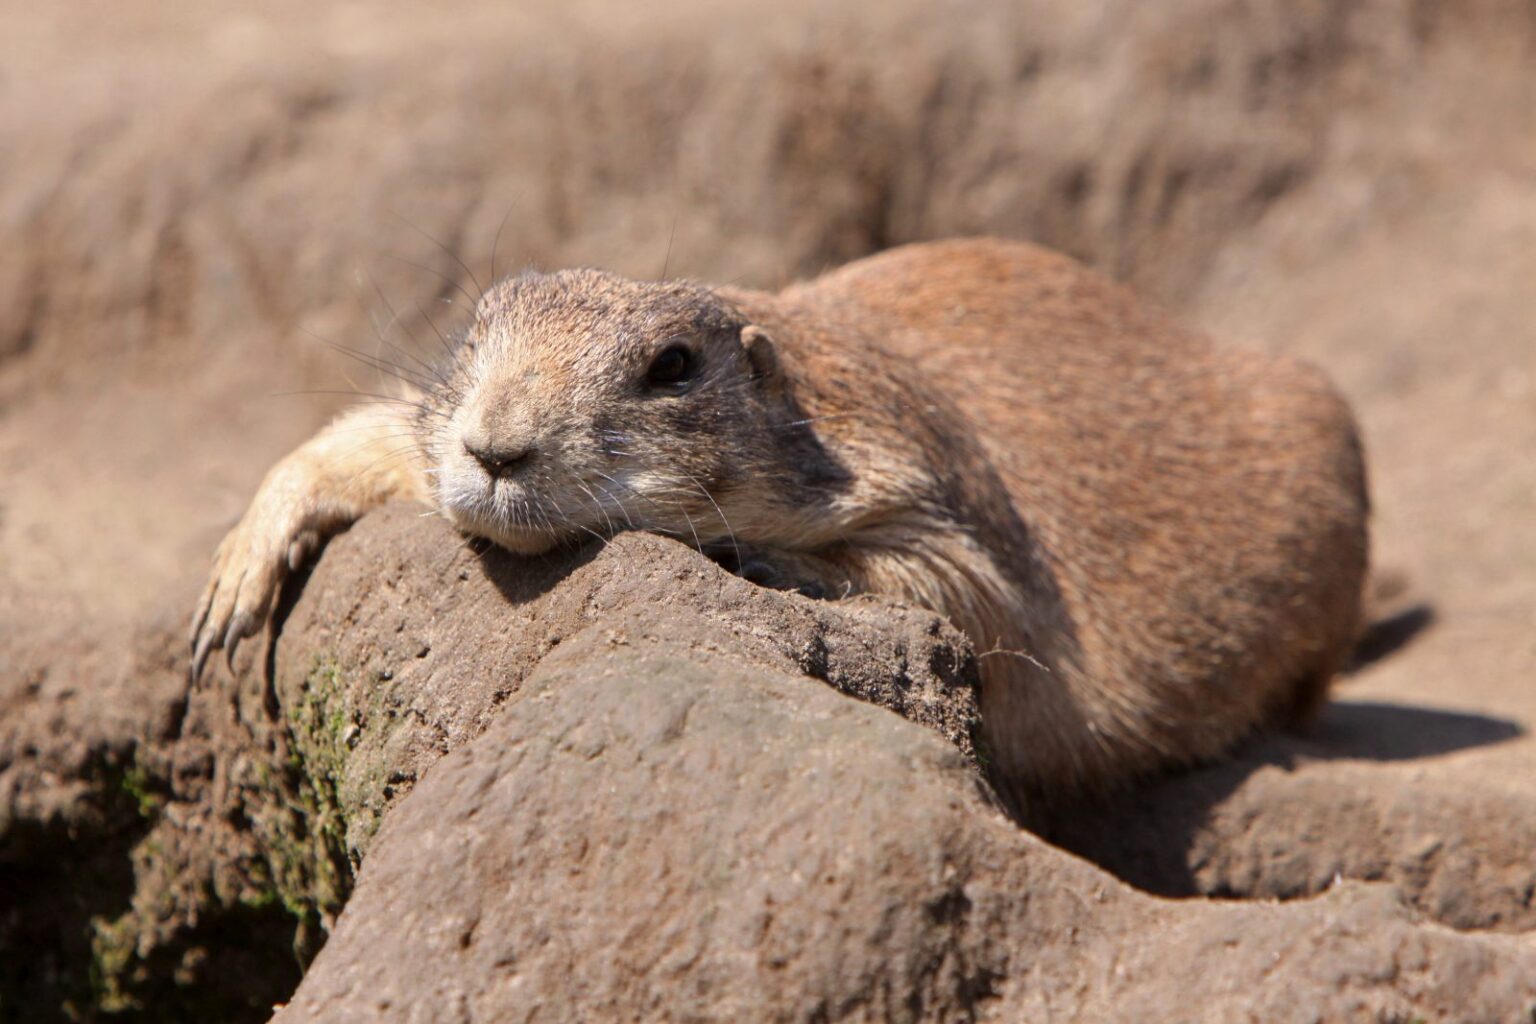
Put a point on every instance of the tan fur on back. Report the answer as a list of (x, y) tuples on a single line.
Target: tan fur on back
[(1188, 520)]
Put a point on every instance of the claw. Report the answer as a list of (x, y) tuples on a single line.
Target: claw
[(239, 595), (200, 617), (200, 656), (239, 628)]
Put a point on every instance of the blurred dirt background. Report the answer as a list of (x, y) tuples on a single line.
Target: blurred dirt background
[(197, 202)]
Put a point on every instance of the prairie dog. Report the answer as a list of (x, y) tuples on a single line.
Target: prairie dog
[(1156, 544)]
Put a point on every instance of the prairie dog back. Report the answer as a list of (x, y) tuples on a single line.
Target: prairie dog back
[(1202, 510)]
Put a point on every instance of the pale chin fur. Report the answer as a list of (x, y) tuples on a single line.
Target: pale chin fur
[(464, 503), (516, 539)]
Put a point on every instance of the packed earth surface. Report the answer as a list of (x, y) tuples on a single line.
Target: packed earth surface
[(618, 782)]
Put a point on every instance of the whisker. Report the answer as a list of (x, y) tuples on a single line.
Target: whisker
[(411, 436), (667, 260), (394, 318), (450, 253), (495, 242), (448, 347), (597, 503), (815, 419), (370, 398), (721, 512), (408, 450), (622, 507), (435, 273), (394, 436), (381, 333), (343, 391), (566, 520), (682, 508), (374, 362)]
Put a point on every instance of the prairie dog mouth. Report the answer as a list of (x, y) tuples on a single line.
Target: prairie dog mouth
[(521, 541), (515, 537)]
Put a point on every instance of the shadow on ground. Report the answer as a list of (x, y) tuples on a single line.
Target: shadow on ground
[(1271, 804)]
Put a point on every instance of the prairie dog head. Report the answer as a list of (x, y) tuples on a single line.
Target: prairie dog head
[(581, 403)]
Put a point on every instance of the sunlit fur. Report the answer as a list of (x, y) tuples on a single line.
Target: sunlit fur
[(559, 362), (1155, 544)]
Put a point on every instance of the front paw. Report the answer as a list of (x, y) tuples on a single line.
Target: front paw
[(248, 570)]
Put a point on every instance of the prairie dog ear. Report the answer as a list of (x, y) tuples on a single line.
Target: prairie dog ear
[(759, 348)]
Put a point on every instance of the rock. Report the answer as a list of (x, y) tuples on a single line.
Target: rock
[(695, 848), (407, 642), (215, 835), (123, 881), (661, 830), (636, 801), (1290, 815)]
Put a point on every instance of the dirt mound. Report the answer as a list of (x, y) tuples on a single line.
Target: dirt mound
[(193, 195)]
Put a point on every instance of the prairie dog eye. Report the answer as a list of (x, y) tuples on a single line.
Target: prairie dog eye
[(672, 367)]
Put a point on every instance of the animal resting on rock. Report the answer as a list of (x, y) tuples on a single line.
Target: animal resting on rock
[(1156, 544)]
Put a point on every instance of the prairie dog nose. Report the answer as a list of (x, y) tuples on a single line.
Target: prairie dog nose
[(501, 457)]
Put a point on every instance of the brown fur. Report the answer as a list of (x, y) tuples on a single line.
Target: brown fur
[(1155, 544)]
